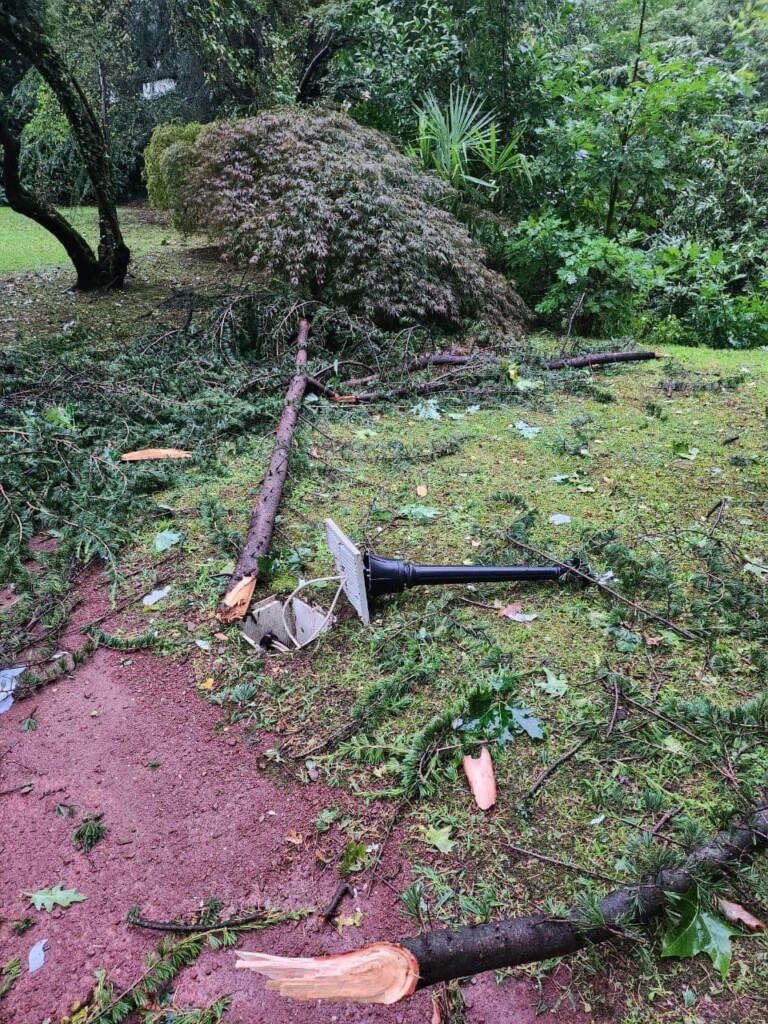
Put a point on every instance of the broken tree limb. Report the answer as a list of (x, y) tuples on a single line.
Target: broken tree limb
[(235, 602), (477, 360), (387, 972), (600, 359)]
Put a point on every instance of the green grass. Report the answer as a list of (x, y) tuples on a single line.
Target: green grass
[(25, 246)]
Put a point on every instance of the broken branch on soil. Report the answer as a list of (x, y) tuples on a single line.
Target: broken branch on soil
[(388, 972), (237, 599)]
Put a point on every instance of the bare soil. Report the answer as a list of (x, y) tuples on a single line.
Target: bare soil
[(208, 820)]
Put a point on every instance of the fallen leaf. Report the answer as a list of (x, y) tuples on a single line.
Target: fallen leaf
[(652, 641), (47, 899), (440, 838), (422, 490), (695, 930), (294, 837), (737, 914), (167, 539), (437, 1013), (526, 429), (221, 636), (555, 686), (510, 610), (207, 684), (155, 453)]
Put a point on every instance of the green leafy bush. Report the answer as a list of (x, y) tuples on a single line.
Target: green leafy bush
[(167, 161), (576, 272), (338, 213)]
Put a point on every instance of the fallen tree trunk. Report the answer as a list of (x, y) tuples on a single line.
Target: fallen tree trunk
[(237, 599), (385, 972), (442, 383), (600, 359)]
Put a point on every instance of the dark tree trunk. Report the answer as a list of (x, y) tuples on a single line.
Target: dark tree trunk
[(26, 203), (21, 28), (235, 603)]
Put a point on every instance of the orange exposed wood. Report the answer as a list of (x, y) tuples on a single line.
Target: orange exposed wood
[(380, 973)]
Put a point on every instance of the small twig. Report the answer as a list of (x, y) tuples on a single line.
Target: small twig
[(195, 929), (680, 630), (560, 863), (552, 769), (615, 709), (666, 816), (342, 890)]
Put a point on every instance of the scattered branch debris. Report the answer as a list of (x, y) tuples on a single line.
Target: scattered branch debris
[(237, 599), (600, 359), (387, 972)]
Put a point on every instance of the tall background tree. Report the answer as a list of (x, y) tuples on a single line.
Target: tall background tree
[(24, 32)]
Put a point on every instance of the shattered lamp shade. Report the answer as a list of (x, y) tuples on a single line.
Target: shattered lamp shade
[(349, 565)]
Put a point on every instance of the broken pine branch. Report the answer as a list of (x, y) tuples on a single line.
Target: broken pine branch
[(388, 972), (477, 360), (235, 602)]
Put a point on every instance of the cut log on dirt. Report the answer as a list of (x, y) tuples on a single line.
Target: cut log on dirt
[(600, 359), (237, 599), (384, 972)]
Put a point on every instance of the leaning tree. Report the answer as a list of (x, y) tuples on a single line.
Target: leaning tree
[(25, 41)]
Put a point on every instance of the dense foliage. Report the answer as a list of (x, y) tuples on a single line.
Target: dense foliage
[(337, 212), (613, 159)]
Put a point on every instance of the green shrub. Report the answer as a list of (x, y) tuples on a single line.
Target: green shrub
[(338, 213), (167, 161), (576, 272)]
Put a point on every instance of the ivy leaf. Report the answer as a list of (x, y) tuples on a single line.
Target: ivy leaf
[(526, 430), (440, 838), (697, 930), (491, 717), (47, 899)]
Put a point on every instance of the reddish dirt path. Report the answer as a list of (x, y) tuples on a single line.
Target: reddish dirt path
[(205, 822)]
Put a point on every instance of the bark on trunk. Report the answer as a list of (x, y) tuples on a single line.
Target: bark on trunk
[(25, 33), (600, 359), (443, 955), (22, 201), (237, 599)]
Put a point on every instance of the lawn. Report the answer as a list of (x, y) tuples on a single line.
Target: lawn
[(25, 246)]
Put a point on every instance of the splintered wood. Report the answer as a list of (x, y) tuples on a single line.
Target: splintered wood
[(380, 973), (482, 781), (144, 454)]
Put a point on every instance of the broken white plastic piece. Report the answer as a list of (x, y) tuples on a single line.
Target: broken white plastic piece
[(268, 619), (349, 565)]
